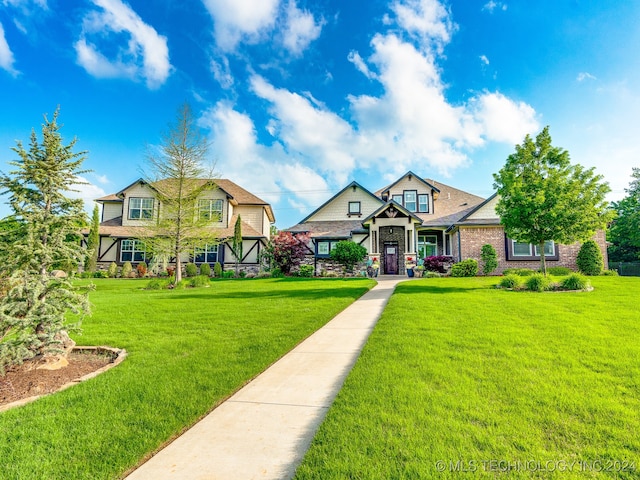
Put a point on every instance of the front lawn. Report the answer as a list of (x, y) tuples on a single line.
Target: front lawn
[(188, 351), (459, 377)]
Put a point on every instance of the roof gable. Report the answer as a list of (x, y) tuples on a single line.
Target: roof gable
[(391, 210), (411, 176), (360, 192)]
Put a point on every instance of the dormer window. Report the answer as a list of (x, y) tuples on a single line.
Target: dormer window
[(355, 208), (140, 208), (423, 203)]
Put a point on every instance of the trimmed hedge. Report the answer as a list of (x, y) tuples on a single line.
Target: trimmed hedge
[(465, 268)]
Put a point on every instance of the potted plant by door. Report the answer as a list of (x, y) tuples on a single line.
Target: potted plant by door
[(409, 264)]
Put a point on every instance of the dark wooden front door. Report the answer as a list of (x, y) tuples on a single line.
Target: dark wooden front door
[(391, 259)]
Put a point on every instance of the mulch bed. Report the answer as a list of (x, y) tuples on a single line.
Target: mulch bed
[(26, 381)]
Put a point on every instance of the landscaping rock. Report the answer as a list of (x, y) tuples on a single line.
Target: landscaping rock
[(59, 274)]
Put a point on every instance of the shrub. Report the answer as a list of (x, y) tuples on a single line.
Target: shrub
[(537, 282), (126, 270), (465, 268), (523, 272), (276, 273), (141, 269), (589, 259), (348, 253), (438, 263), (510, 281), (191, 270), (171, 271), (154, 284), (285, 251), (217, 270), (610, 273), (559, 271), (228, 274), (99, 274), (429, 274), (199, 281), (489, 259), (575, 282), (112, 271), (205, 269), (306, 270)]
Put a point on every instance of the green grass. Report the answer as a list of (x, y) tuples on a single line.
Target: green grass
[(456, 370), (188, 351)]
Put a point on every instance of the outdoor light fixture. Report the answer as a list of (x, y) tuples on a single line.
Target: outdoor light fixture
[(390, 230)]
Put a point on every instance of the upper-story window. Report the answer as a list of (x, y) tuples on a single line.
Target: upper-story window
[(140, 208), (423, 203), (210, 209), (410, 200), (397, 198), (354, 208)]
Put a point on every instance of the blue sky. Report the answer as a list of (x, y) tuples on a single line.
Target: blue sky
[(298, 98)]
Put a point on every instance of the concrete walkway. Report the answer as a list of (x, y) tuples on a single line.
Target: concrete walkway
[(264, 430)]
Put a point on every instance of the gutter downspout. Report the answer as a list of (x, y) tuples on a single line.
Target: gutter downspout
[(459, 247)]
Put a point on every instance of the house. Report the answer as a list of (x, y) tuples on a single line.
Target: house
[(127, 214), (414, 218)]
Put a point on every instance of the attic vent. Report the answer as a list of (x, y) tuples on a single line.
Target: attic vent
[(448, 195), (463, 204)]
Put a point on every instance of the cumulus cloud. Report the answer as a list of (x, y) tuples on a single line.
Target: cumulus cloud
[(6, 55), (241, 20), (484, 59), (87, 192), (300, 30), (360, 64), (144, 54), (503, 119), (427, 19)]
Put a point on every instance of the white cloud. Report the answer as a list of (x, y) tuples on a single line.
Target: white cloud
[(428, 19), (360, 64), (25, 4), (503, 119), (145, 55), (241, 20), (6, 55), (491, 5), (582, 76), (301, 29), (87, 192), (222, 72), (484, 59)]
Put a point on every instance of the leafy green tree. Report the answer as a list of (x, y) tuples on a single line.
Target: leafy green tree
[(93, 241), (32, 314), (489, 258), (178, 173), (624, 234), (236, 245), (348, 254), (589, 259), (543, 197)]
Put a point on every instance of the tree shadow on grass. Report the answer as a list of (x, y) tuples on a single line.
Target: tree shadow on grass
[(275, 292), (436, 289)]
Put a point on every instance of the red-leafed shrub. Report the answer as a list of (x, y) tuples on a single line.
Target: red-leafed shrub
[(438, 263), (285, 251)]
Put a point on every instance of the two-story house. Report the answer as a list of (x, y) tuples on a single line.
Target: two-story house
[(127, 214), (414, 218)]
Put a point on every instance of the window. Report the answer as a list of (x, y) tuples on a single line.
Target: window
[(210, 209), (526, 251), (206, 254), (140, 208), (423, 203), (521, 249), (427, 246), (410, 200), (354, 208), (132, 251), (324, 248), (397, 198)]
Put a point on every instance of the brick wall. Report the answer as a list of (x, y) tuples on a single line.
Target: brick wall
[(472, 239)]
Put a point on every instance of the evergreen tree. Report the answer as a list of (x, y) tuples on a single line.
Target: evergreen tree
[(93, 241), (237, 242), (489, 258), (178, 174), (32, 314), (545, 198), (624, 234)]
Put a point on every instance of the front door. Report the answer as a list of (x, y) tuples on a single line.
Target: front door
[(391, 259)]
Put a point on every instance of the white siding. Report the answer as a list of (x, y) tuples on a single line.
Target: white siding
[(142, 191), (111, 255), (338, 207), (414, 184), (111, 210), (251, 215)]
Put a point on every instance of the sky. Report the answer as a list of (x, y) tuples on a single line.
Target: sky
[(298, 98)]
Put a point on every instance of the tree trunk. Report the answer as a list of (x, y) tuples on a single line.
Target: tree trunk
[(543, 262)]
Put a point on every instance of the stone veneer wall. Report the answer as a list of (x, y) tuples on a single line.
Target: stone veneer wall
[(473, 238), (398, 236)]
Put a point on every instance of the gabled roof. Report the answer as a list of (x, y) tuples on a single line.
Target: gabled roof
[(351, 185), (236, 194), (328, 229), (480, 221), (392, 205), (409, 173)]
